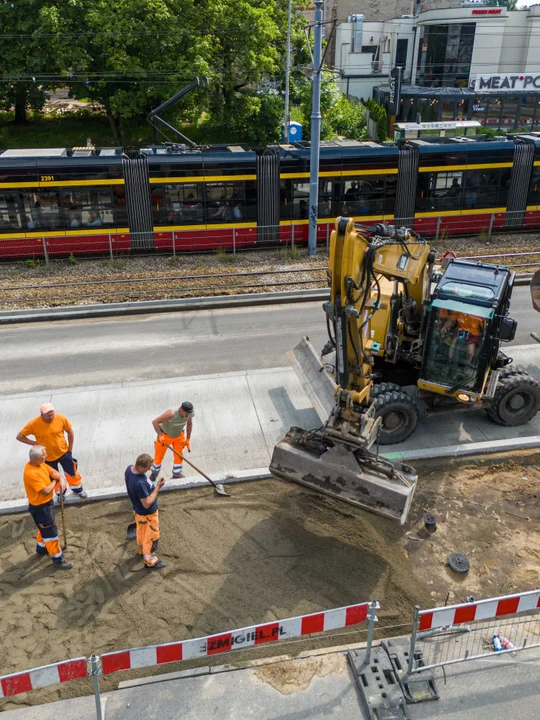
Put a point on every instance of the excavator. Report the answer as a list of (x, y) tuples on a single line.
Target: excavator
[(407, 337)]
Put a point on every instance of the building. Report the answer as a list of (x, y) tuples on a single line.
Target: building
[(468, 62)]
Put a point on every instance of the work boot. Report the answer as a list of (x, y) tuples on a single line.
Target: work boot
[(178, 476), (57, 498), (158, 566), (154, 475), (64, 565), (41, 551), (83, 494)]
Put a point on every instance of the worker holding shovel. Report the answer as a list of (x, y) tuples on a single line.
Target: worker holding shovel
[(173, 428), (143, 495)]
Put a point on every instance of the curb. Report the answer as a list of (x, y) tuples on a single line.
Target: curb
[(9, 507), (144, 307), (162, 306)]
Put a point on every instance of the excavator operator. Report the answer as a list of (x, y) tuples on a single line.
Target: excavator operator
[(461, 328)]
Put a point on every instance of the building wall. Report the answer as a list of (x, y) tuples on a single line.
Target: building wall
[(387, 9)]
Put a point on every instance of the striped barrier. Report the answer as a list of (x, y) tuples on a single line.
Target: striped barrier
[(254, 635), (41, 677), (470, 631), (235, 639), (481, 610)]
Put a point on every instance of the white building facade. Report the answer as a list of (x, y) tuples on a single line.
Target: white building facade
[(471, 62)]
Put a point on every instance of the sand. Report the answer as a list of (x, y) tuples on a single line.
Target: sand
[(271, 551)]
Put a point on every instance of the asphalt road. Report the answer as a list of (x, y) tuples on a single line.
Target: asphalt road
[(92, 352)]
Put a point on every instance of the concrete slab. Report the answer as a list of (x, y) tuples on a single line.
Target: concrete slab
[(239, 418)]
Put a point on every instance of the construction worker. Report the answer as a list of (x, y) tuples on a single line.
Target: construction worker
[(50, 429), (143, 495), (171, 428), (40, 481)]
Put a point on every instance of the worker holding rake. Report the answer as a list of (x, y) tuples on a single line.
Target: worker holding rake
[(173, 428)]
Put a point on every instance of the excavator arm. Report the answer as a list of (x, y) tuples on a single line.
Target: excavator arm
[(336, 459)]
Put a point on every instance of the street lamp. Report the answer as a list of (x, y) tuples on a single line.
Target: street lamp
[(287, 74), (315, 130)]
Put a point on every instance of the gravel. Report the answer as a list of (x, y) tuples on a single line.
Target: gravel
[(29, 285)]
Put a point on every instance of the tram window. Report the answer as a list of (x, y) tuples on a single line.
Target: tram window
[(67, 208), (487, 188), (365, 195), (300, 201), (443, 191), (285, 204), (326, 199), (12, 216), (225, 202), (533, 197), (178, 204)]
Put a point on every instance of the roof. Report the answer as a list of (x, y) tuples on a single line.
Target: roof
[(434, 92)]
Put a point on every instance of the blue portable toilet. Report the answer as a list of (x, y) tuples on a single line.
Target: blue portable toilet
[(295, 132)]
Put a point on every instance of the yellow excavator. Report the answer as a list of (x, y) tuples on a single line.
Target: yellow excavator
[(407, 337)]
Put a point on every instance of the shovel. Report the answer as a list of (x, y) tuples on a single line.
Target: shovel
[(218, 487)]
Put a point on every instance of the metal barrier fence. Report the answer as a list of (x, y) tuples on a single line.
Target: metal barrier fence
[(152, 655), (84, 243), (458, 633)]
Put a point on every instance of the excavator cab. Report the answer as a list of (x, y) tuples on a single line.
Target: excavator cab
[(464, 324)]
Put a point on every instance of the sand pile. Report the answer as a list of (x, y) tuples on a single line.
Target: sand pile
[(272, 551)]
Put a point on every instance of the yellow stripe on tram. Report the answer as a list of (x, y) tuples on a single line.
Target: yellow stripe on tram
[(455, 168), (63, 183), (199, 179)]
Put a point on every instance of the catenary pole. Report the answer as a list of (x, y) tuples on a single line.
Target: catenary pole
[(287, 76), (315, 130)]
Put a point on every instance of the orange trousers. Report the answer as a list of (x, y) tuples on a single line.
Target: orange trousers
[(178, 443), (148, 536)]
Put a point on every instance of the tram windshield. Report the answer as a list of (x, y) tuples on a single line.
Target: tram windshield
[(454, 345)]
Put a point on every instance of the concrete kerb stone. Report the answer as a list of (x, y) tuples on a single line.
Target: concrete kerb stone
[(12, 507), (144, 307)]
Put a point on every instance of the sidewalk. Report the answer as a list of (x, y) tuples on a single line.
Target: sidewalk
[(239, 418)]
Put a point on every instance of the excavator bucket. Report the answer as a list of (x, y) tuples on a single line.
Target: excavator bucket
[(345, 473)]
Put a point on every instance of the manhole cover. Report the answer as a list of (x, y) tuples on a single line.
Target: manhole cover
[(459, 563)]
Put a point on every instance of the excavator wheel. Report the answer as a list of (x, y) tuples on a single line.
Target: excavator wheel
[(384, 387), (512, 370), (399, 416), (516, 400)]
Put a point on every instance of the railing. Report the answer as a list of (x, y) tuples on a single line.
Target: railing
[(153, 655), (448, 635), (438, 227)]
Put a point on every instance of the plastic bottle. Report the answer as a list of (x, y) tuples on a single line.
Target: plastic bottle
[(507, 645), (497, 643)]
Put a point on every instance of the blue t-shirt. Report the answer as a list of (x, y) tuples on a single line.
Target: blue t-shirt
[(139, 486)]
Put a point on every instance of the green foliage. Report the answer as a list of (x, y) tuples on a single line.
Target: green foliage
[(72, 259), (378, 113), (490, 133), (339, 116), (30, 263)]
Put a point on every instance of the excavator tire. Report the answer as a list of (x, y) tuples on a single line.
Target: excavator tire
[(399, 415), (512, 370), (384, 387), (516, 400)]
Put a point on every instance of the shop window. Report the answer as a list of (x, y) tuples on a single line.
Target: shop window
[(494, 112), (509, 110), (448, 110), (526, 113)]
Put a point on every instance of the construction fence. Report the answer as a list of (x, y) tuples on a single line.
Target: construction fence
[(439, 636), (114, 243)]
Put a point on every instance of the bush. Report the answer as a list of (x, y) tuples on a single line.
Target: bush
[(379, 114)]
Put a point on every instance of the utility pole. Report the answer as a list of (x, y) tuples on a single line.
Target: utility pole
[(287, 76), (315, 130)]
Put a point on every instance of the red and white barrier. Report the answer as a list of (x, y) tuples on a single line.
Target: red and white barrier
[(235, 640), (481, 610), (42, 676)]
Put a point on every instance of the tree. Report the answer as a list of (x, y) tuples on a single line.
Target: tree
[(26, 52), (339, 116), (131, 54)]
